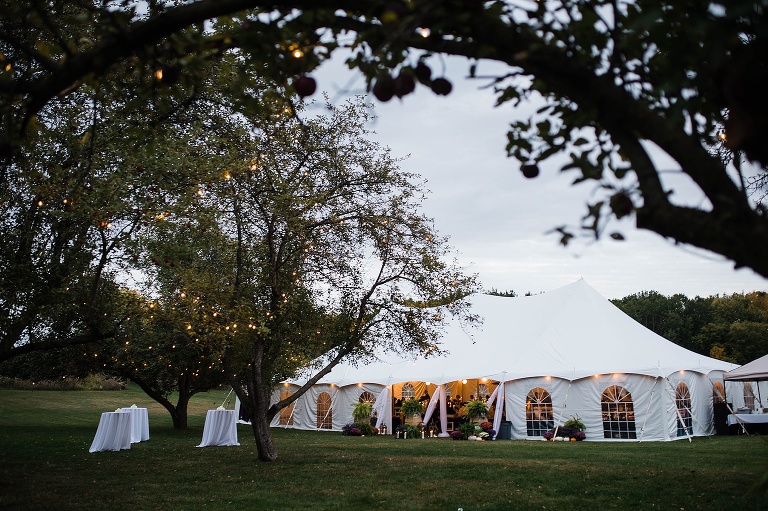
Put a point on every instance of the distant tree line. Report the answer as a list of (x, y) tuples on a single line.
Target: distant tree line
[(732, 328)]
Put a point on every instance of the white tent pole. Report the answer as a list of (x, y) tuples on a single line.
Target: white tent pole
[(330, 408), (226, 399), (647, 410), (693, 417), (735, 416), (565, 405), (677, 410)]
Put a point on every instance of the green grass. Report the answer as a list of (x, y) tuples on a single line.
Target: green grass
[(45, 465)]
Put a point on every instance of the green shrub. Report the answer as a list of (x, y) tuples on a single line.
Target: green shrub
[(468, 429), (411, 407), (365, 428), (413, 431), (90, 382)]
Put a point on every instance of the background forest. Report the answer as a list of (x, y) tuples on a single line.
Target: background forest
[(732, 328)]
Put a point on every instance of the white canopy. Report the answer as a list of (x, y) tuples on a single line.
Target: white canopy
[(569, 333), (753, 371)]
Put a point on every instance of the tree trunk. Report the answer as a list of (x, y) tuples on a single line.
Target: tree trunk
[(261, 418), (178, 413), (182, 403), (263, 437)]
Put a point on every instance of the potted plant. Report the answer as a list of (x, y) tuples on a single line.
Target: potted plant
[(576, 423), (361, 411), (411, 409), (476, 410), (469, 430)]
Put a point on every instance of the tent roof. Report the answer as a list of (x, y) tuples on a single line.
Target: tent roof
[(751, 371), (571, 333)]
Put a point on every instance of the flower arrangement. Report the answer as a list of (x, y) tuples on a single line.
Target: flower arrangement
[(572, 429), (487, 427), (351, 430), (457, 435)]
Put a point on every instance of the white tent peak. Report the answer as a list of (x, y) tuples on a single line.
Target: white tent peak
[(571, 333)]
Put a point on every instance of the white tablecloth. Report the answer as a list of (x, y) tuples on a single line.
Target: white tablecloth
[(220, 428), (113, 433), (748, 418), (139, 424)]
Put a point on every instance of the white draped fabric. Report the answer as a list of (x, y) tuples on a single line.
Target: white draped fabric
[(139, 424), (220, 428), (433, 401), (382, 407), (498, 413), (113, 433)]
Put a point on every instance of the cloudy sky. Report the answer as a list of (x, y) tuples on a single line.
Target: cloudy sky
[(499, 222)]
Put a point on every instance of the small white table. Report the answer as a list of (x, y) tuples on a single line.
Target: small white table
[(113, 433), (748, 418), (139, 424), (220, 428)]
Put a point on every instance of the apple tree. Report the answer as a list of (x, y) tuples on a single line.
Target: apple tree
[(616, 80), (309, 243)]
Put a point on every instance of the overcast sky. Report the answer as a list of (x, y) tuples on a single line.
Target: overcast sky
[(498, 221)]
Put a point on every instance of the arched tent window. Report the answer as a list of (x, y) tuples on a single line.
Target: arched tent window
[(286, 414), (683, 403), (408, 391), (447, 391), (367, 397), (749, 396), (718, 393), (324, 411), (538, 412), (618, 413), (482, 391)]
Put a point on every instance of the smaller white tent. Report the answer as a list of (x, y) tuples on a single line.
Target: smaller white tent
[(539, 360), (757, 370), (752, 372)]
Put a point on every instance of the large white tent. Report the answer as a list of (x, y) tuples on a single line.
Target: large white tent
[(539, 360)]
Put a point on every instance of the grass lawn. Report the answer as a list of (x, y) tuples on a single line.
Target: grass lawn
[(45, 465)]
